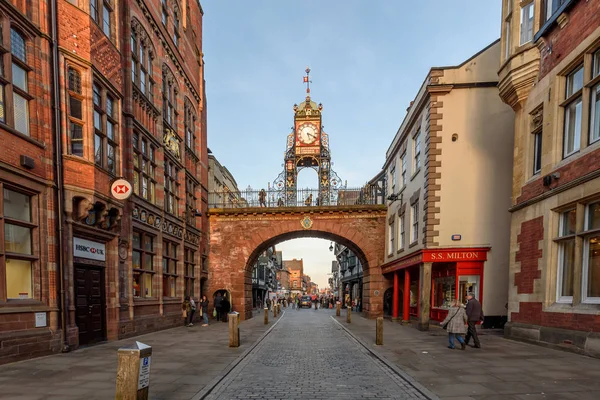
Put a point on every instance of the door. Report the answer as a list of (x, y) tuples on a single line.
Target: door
[(89, 304)]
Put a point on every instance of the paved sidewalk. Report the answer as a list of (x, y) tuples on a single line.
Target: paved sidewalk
[(184, 360), (501, 370)]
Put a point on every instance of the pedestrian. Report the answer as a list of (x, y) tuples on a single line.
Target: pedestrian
[(188, 311), (455, 323), (225, 307), (204, 309), (269, 303), (474, 315), (308, 201), (262, 197), (217, 304)]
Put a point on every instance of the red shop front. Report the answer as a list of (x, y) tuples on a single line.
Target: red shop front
[(454, 273)]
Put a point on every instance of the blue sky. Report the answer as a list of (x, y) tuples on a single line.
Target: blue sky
[(368, 59)]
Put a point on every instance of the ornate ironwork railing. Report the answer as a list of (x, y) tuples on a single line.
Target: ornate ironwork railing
[(368, 194)]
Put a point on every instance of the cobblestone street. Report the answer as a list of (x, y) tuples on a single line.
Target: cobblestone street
[(309, 356)]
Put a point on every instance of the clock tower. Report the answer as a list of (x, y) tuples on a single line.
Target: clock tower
[(307, 147)]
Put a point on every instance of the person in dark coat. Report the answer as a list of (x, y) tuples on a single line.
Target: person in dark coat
[(474, 315), (225, 307), (218, 301), (204, 308)]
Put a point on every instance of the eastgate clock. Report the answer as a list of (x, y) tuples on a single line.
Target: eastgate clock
[(307, 133)]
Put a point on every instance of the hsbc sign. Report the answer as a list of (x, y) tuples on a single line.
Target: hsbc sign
[(87, 249), (121, 189)]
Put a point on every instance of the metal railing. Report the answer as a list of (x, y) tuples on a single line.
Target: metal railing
[(369, 194)]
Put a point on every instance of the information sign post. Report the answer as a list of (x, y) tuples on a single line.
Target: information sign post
[(133, 372)]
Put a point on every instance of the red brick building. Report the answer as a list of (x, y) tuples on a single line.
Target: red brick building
[(296, 268), (550, 76), (130, 104)]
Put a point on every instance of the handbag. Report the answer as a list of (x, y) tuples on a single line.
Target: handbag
[(214, 312), (184, 313), (445, 326)]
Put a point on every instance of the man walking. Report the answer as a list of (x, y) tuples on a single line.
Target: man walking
[(474, 315), (217, 304)]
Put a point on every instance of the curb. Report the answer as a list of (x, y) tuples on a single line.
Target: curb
[(409, 379), (202, 394)]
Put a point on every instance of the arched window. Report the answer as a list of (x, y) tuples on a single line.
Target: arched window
[(20, 87), (75, 113), (189, 122)]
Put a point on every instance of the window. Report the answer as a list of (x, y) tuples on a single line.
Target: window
[(144, 166), (591, 254), (169, 100), (573, 110), (595, 101), (295, 284), (94, 10), (171, 188), (401, 235), (169, 269), (403, 160), (141, 66), (391, 233), (537, 152), (527, 23), (101, 12), (551, 6), (17, 90), (105, 129), (17, 255), (414, 218), (507, 30), (176, 29), (165, 12), (106, 17), (189, 272), (141, 261), (189, 121), (566, 256), (75, 113), (190, 202), (417, 151), (393, 179)]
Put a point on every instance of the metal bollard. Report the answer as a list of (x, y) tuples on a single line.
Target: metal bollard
[(379, 331), (133, 372), (234, 331), (348, 314), (338, 308), (266, 316)]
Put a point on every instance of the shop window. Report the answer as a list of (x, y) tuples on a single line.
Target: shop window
[(444, 291), (591, 254), (527, 23), (468, 284), (169, 269), (17, 256), (595, 101), (142, 264), (105, 129), (566, 256), (573, 110), (144, 167), (189, 275), (414, 294)]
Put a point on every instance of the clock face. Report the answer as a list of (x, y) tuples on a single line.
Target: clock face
[(307, 133)]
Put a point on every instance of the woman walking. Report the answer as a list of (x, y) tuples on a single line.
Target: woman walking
[(456, 324), (204, 308), (188, 307)]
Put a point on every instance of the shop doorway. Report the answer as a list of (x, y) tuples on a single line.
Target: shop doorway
[(90, 304)]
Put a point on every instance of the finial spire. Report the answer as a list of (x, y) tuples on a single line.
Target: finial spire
[(307, 80)]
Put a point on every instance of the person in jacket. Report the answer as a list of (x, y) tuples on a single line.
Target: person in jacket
[(188, 307), (474, 315), (217, 304), (456, 321), (204, 309), (225, 307)]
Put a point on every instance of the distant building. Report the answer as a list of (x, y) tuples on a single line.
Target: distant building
[(222, 188), (264, 276), (350, 273), (296, 268)]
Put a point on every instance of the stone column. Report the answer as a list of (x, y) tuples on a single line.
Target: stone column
[(406, 299), (396, 298), (425, 296)]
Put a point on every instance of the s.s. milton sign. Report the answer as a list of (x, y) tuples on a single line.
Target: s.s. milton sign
[(87, 249)]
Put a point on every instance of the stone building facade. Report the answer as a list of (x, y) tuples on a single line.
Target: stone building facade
[(296, 268), (448, 184), (222, 187), (129, 104), (550, 74)]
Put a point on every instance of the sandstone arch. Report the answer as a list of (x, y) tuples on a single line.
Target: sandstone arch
[(238, 236)]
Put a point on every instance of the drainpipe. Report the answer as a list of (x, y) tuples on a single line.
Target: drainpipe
[(58, 173)]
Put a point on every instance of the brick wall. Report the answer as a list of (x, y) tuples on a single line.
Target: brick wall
[(532, 232), (531, 313)]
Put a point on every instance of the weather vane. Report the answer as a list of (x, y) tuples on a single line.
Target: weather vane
[(307, 80)]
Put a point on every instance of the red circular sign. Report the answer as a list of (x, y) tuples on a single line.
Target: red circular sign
[(121, 189)]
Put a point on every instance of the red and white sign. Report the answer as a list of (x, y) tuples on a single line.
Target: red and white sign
[(121, 189), (87, 249)]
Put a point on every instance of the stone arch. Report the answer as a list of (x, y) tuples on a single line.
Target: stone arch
[(237, 238)]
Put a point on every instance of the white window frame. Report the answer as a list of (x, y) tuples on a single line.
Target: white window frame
[(537, 151), (393, 179), (594, 134), (417, 151), (401, 232), (586, 249), (527, 21), (391, 233), (404, 168), (575, 98), (414, 223), (559, 281)]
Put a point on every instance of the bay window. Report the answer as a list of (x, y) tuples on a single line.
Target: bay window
[(527, 23)]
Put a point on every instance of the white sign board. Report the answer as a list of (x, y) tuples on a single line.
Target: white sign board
[(88, 249), (144, 378), (121, 189), (40, 319)]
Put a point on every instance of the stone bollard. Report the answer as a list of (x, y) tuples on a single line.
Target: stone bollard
[(379, 331), (274, 310), (266, 316), (234, 331), (348, 314), (133, 372), (338, 308)]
